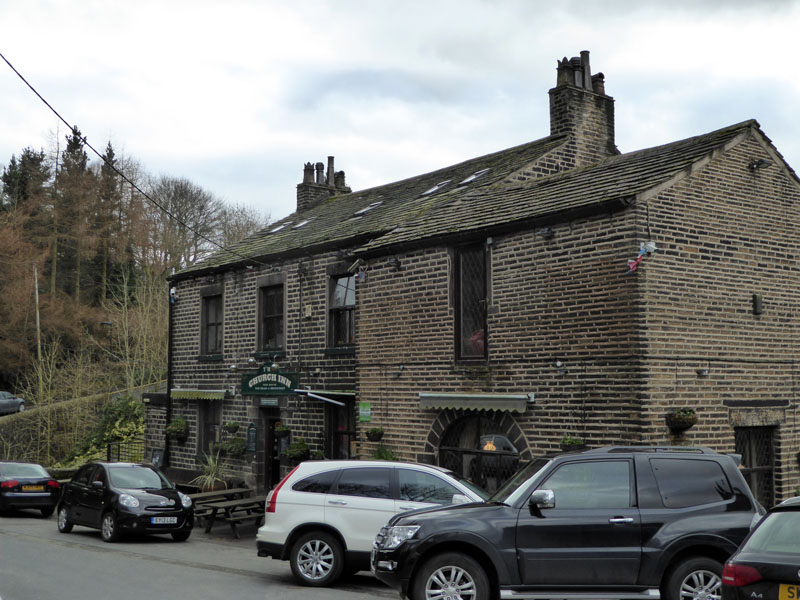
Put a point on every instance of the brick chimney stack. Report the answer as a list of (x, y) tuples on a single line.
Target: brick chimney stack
[(580, 109), (317, 185)]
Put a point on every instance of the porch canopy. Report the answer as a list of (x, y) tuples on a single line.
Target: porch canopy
[(479, 401), (333, 396), (188, 394)]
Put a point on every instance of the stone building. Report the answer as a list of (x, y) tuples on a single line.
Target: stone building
[(483, 313)]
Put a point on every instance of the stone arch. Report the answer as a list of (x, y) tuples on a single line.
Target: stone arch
[(504, 420)]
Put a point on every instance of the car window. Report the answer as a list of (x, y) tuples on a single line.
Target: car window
[(317, 484), (778, 532), (592, 484), (369, 482), (22, 470), (424, 487), (82, 476), (137, 478), (686, 482)]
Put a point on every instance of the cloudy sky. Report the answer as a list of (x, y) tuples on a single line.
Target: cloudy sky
[(237, 95)]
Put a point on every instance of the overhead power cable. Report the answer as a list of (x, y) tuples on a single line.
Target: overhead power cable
[(125, 177)]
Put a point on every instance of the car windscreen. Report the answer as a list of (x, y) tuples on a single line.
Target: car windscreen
[(506, 493), (137, 478), (22, 470), (479, 491)]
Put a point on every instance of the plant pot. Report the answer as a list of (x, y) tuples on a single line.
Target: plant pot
[(281, 433), (678, 422), (375, 436), (231, 428)]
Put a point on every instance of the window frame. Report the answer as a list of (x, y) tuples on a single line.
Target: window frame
[(263, 317), (207, 297), (346, 310), (459, 303)]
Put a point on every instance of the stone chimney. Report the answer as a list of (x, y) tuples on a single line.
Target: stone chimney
[(580, 109), (317, 185)]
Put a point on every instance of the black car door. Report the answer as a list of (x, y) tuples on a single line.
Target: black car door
[(95, 496), (75, 493), (591, 536)]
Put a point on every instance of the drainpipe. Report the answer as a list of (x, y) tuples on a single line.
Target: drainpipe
[(172, 295)]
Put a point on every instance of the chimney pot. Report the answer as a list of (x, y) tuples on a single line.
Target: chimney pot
[(330, 172), (320, 176)]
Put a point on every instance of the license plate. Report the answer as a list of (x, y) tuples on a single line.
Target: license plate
[(789, 591), (32, 488), (164, 520)]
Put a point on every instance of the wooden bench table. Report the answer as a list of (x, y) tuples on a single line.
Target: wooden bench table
[(236, 511), (201, 500)]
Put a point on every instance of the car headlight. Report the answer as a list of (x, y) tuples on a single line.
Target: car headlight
[(186, 502), (397, 535), (128, 500)]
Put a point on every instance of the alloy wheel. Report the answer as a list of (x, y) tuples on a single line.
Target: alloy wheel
[(450, 583), (315, 559), (701, 585)]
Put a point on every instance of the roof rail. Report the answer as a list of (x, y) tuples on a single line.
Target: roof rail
[(656, 449)]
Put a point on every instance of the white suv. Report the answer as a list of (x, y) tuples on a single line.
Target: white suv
[(324, 515)]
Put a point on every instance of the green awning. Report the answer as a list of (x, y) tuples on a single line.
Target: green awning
[(467, 401), (185, 394)]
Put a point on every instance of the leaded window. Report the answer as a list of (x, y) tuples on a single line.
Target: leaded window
[(471, 302)]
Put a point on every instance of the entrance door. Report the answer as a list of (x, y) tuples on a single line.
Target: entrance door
[(273, 444), (340, 429)]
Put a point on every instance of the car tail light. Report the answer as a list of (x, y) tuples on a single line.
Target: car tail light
[(7, 485), (53, 484), (739, 575), (273, 495)]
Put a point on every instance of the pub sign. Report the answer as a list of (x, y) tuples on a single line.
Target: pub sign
[(269, 382)]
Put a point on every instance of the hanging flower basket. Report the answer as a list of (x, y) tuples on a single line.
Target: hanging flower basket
[(231, 427), (281, 431), (375, 434), (570, 443), (681, 419)]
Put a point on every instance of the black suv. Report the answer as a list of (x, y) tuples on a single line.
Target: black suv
[(623, 523), (124, 497)]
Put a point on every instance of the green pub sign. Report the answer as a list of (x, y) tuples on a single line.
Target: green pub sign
[(267, 382)]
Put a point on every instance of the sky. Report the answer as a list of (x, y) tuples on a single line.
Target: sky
[(237, 95)]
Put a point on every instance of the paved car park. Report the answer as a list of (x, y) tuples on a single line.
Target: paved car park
[(206, 566)]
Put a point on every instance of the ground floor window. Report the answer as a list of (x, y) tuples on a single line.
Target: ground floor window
[(209, 424), (477, 447), (755, 445)]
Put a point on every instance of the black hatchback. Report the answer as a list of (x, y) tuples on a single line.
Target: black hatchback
[(767, 565), (125, 497)]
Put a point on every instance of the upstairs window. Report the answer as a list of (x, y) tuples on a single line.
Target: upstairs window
[(342, 306), (272, 318), (471, 299), (211, 326)]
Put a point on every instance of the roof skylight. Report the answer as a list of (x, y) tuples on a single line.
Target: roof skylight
[(474, 176), (368, 208), (279, 227), (301, 223), (436, 188)]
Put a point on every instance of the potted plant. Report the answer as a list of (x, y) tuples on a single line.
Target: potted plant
[(382, 452), (297, 450), (681, 419), (178, 429), (236, 447), (375, 434), (231, 426), (281, 431), (212, 476), (570, 442)]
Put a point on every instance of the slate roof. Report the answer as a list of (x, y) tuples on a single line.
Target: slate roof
[(405, 216)]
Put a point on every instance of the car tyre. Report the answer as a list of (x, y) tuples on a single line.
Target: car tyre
[(317, 559), (451, 574), (21, 407), (181, 536), (108, 527), (47, 512), (695, 578), (64, 524)]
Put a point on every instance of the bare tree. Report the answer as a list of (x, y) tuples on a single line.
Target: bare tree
[(238, 222)]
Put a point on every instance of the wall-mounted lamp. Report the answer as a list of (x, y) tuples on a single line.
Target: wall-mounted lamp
[(394, 263), (233, 367), (274, 366), (703, 372), (560, 367), (545, 233), (251, 361), (761, 163)]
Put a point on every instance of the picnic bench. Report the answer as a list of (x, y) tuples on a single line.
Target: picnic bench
[(235, 511), (201, 500)]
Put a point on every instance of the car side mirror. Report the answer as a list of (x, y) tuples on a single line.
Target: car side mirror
[(98, 485), (542, 499), (460, 499)]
